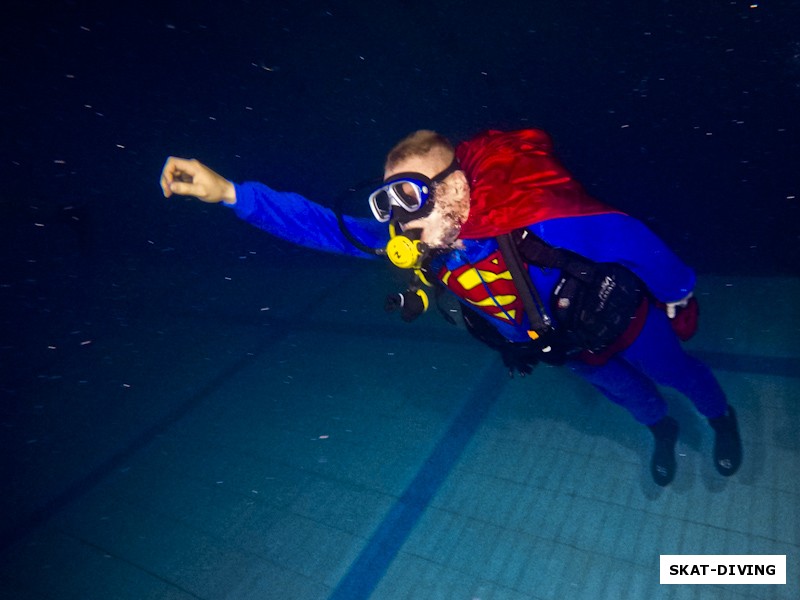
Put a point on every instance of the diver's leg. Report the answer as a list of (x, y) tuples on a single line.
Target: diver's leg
[(658, 353), (727, 443), (624, 385)]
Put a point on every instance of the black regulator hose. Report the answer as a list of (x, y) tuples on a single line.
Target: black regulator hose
[(337, 209)]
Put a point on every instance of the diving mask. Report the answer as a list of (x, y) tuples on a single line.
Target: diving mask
[(406, 194)]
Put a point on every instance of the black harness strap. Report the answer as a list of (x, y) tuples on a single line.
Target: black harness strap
[(537, 315), (537, 252)]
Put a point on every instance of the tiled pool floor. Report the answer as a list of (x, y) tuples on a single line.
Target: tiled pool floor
[(333, 457)]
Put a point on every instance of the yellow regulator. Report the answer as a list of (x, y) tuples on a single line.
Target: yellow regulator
[(404, 251)]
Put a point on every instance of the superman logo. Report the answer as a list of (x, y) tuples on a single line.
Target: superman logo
[(487, 286)]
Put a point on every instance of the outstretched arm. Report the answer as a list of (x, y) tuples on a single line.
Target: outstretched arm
[(286, 215)]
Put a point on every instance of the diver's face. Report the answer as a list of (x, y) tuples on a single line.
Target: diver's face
[(450, 198)]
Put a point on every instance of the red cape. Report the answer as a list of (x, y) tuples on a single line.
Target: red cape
[(515, 181)]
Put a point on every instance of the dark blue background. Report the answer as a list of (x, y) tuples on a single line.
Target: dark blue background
[(683, 113)]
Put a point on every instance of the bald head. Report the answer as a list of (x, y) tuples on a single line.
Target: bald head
[(428, 149)]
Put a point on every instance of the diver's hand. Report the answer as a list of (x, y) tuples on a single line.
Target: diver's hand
[(673, 308), (685, 318), (189, 177), (410, 303), (518, 360)]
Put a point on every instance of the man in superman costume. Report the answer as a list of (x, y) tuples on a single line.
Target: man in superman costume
[(543, 271)]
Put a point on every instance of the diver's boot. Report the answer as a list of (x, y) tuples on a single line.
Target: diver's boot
[(662, 465), (727, 443)]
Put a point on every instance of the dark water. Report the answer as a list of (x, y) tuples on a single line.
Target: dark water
[(684, 114)]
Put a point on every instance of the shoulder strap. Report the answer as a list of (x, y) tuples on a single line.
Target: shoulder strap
[(539, 319), (537, 252)]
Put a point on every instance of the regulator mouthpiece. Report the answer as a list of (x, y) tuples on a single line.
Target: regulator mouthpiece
[(405, 249)]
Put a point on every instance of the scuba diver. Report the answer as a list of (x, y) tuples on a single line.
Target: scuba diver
[(543, 272)]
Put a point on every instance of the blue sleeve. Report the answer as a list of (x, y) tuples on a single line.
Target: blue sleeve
[(296, 219), (622, 239)]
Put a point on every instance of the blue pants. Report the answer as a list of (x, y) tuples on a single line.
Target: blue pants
[(655, 357)]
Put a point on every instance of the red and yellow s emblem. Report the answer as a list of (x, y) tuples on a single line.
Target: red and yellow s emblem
[(487, 285)]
